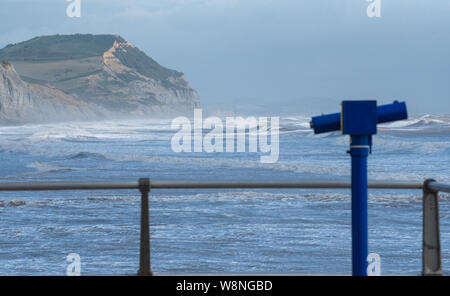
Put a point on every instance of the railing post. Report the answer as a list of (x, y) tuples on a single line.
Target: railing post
[(144, 260), (431, 252)]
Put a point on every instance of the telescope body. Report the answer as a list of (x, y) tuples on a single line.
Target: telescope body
[(357, 117)]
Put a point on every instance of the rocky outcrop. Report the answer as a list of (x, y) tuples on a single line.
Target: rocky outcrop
[(89, 77), (22, 102)]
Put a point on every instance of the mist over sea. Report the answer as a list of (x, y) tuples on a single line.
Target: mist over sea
[(213, 231)]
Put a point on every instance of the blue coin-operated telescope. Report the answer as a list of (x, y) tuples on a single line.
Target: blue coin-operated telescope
[(359, 119)]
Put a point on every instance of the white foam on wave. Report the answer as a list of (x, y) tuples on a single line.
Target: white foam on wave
[(418, 123), (153, 129), (128, 130), (40, 139), (414, 123), (43, 167), (238, 163)]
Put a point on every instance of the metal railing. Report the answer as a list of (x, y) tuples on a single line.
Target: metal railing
[(431, 251)]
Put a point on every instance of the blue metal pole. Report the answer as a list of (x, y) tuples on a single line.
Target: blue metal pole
[(359, 150)]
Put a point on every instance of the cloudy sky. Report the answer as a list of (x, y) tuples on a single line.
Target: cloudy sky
[(275, 56)]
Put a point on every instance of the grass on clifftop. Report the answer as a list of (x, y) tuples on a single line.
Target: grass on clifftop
[(58, 47), (79, 46)]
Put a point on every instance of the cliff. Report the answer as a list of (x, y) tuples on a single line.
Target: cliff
[(22, 102), (89, 77)]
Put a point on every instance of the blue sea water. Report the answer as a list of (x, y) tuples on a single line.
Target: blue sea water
[(213, 231)]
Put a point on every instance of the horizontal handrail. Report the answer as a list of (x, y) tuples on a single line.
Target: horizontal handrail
[(431, 254), (179, 184), (435, 186), (280, 184), (37, 186)]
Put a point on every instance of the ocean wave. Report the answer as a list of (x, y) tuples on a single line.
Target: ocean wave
[(309, 166), (237, 163), (29, 136), (411, 145), (113, 198), (75, 201), (119, 128), (268, 199), (22, 203), (43, 167), (414, 123), (12, 203), (85, 154), (46, 140), (311, 197), (423, 124)]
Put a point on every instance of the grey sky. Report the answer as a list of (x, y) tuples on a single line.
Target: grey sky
[(286, 56)]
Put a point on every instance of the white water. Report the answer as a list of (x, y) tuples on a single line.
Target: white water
[(212, 230)]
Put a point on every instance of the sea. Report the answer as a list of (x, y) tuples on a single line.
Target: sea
[(217, 231)]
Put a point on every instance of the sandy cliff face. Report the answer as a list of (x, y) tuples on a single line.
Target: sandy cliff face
[(87, 77), (22, 102), (142, 92)]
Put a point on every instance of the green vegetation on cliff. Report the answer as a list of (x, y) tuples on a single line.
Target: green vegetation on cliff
[(80, 46), (58, 47), (138, 60)]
